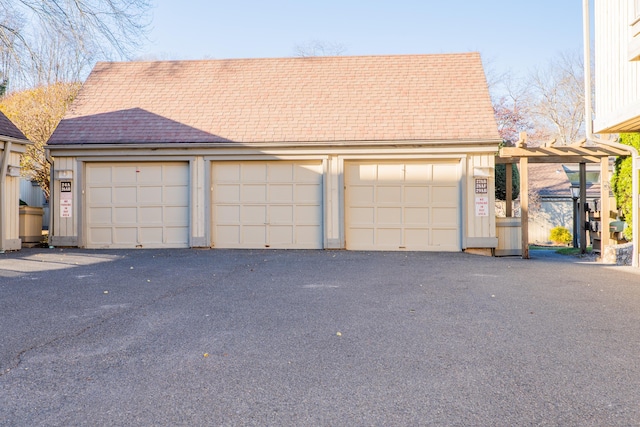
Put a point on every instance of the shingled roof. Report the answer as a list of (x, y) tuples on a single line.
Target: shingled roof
[(317, 99), (7, 128)]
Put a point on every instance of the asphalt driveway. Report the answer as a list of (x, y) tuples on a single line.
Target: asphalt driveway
[(318, 338)]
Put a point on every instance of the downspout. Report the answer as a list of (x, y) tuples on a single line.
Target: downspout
[(47, 155), (4, 166), (586, 32)]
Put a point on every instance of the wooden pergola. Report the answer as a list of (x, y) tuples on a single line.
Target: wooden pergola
[(549, 153)]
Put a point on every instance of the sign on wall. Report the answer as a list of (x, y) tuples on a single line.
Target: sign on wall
[(66, 199), (482, 186), (482, 206)]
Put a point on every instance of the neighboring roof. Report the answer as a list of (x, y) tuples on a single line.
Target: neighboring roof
[(316, 99), (550, 180), (7, 128)]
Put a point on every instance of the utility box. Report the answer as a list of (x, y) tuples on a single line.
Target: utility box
[(30, 230)]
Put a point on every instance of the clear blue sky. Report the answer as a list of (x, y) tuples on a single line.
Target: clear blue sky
[(511, 34)]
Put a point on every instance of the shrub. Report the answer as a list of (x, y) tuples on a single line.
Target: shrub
[(501, 185), (621, 183), (560, 235)]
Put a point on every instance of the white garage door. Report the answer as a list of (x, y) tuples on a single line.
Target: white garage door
[(132, 205), (274, 204), (402, 206)]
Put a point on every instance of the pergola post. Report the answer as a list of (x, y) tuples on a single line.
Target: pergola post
[(508, 168), (605, 206), (583, 208), (524, 205)]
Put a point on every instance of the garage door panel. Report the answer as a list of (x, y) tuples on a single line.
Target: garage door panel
[(100, 215), (176, 196), (308, 193), (174, 235), (390, 237), (445, 195), (152, 235), (226, 172), (254, 193), (418, 172), (227, 214), (307, 173), (361, 195), (255, 172), (281, 174), (402, 205), (99, 195), (228, 233), (307, 236), (144, 205), (391, 172), (124, 175), (361, 238), (124, 195), (151, 214), (99, 174), (250, 214), (308, 215), (281, 193), (149, 194), (153, 174), (445, 172), (125, 236), (176, 215), (444, 216), (125, 215), (101, 236), (416, 237), (417, 216), (229, 193), (280, 235), (390, 195), (416, 195), (390, 215), (277, 199), (281, 214), (363, 216), (255, 234), (444, 238)]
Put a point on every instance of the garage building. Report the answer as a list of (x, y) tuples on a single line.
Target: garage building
[(362, 153)]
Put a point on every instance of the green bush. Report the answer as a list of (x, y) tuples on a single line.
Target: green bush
[(501, 185), (560, 235), (621, 183)]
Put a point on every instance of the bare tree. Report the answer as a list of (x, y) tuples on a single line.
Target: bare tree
[(319, 48), (558, 98), (511, 100), (49, 35)]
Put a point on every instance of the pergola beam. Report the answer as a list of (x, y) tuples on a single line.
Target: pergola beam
[(575, 153)]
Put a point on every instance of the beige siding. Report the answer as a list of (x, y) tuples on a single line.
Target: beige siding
[(480, 231), (64, 231), (617, 79), (10, 216)]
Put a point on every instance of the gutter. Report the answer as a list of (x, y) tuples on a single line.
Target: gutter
[(47, 156), (586, 33)]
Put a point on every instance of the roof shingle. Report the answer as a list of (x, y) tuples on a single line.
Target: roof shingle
[(318, 99), (7, 128)]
